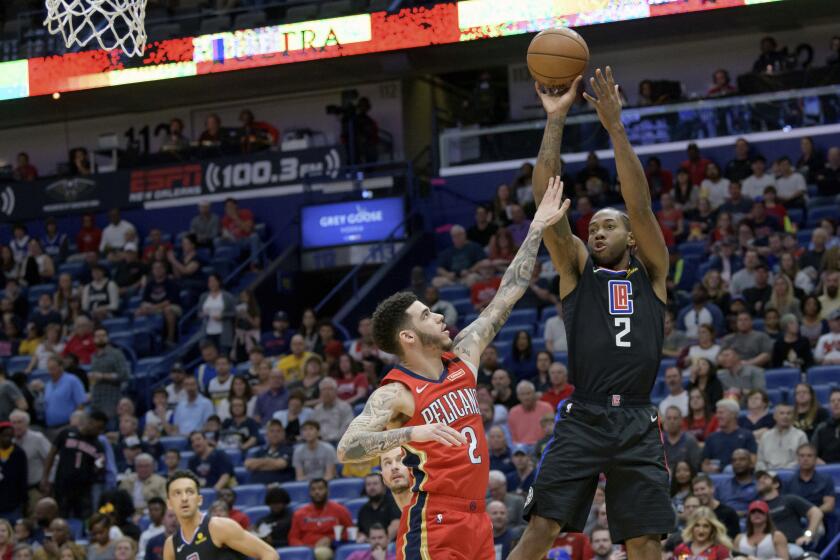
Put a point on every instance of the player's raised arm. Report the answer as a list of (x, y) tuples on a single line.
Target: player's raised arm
[(568, 253), (368, 435), (230, 534), (634, 187), (471, 342)]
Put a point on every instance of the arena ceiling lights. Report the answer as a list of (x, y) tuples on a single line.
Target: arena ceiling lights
[(377, 32)]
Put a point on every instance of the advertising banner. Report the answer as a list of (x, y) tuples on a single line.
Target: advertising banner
[(346, 223)]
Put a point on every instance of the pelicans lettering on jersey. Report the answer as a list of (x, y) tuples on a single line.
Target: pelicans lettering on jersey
[(449, 483)]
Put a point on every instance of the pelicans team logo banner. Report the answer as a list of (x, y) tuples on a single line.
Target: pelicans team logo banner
[(620, 292)]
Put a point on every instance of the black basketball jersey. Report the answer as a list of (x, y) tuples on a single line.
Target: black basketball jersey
[(614, 328), (201, 546)]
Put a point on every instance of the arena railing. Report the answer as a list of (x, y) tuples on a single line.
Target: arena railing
[(680, 122)]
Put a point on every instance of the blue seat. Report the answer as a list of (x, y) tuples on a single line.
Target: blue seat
[(664, 364), (174, 442), (186, 456), (344, 551), (346, 488), (77, 527), (816, 215), (116, 324), (776, 396), (142, 341), (36, 291), (243, 475), (796, 215), (235, 456), (145, 366), (548, 313), (255, 513), (122, 338), (144, 522), (463, 306), (758, 324), (209, 495), (74, 269), (455, 291), (824, 375), (562, 357), (502, 348), (298, 491), (782, 377), (249, 495), (538, 343), (296, 553), (720, 478), (692, 248), (509, 332), (354, 506), (803, 236), (832, 470), (18, 363), (823, 392), (523, 316), (819, 201)]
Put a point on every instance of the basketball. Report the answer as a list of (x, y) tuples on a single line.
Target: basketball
[(557, 56)]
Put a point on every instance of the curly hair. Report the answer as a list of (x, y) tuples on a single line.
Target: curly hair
[(389, 318)]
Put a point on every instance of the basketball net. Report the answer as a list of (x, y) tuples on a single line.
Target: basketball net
[(112, 24)]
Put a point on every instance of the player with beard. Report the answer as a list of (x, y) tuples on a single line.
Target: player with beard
[(428, 405), (613, 293), (210, 538), (395, 476)]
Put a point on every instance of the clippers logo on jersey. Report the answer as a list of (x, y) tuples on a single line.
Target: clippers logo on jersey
[(451, 407), (620, 292)]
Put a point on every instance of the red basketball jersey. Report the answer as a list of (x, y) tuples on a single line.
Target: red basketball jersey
[(460, 472)]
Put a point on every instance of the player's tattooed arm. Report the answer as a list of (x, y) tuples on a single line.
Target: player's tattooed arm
[(368, 437), (472, 341)]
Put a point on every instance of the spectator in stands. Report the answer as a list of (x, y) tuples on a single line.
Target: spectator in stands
[(808, 414), (314, 458), (521, 479), (212, 133), (380, 510), (37, 267), (524, 418), (502, 392), (13, 459), (770, 59), (332, 414), (486, 285), (274, 399), (61, 544), (695, 165), (154, 547), (559, 388), (101, 296), (501, 250), (703, 487), (239, 431), (154, 244), (812, 258), (721, 84), (145, 486), (827, 349), (792, 349), (276, 341), (787, 511), (584, 210), (239, 387), (739, 168), (114, 234), (456, 263), (827, 178), (757, 418), (161, 297), (89, 237), (174, 143), (720, 445), (36, 446), (592, 170), (810, 161), (187, 270), (754, 347), (790, 185), (81, 462), (204, 226), (291, 365), (272, 462), (518, 228), (738, 377), (659, 180), (701, 312), (309, 330), (499, 449), (677, 395), (275, 526), (129, 270), (813, 325), (44, 314), (157, 514), (830, 299), (19, 244), (80, 163), (714, 187), (108, 372), (248, 323), (757, 296), (238, 226), (522, 362), (670, 216), (783, 299), (686, 194), (497, 490), (737, 492), (351, 380), (503, 535), (501, 205), (809, 483), (24, 171), (755, 184), (483, 229), (675, 341), (703, 376), (826, 437), (192, 412), (704, 537), (175, 389), (217, 310), (761, 541), (437, 305), (312, 524), (63, 394), (777, 448), (212, 466), (736, 204), (228, 496), (679, 445), (555, 331)]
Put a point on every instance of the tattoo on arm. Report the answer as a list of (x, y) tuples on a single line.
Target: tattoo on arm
[(471, 341), (366, 437)]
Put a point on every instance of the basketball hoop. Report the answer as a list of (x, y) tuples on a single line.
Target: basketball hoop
[(110, 23)]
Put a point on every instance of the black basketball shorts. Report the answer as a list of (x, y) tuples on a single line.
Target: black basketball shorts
[(624, 443)]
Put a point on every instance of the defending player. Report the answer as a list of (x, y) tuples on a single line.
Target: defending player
[(210, 538), (427, 404), (613, 294)]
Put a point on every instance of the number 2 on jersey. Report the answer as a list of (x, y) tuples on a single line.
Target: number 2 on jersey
[(472, 441), (622, 323)]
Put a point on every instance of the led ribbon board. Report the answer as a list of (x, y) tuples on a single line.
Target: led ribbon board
[(467, 20)]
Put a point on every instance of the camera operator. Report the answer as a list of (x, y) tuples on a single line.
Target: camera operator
[(359, 132)]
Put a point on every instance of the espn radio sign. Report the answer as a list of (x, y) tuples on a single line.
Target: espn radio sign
[(174, 181)]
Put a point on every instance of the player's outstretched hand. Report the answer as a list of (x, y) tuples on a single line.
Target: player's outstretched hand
[(558, 101), (440, 433), (553, 207), (607, 100)]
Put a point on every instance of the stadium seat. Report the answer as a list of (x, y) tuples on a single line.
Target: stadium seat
[(248, 495), (822, 392), (185, 459), (174, 442), (256, 513), (344, 551), (664, 364), (346, 488), (548, 313), (692, 248), (455, 291), (720, 478), (803, 236), (235, 456), (782, 377), (776, 396), (77, 527), (298, 491), (562, 357), (145, 366), (463, 306), (243, 475), (796, 215), (122, 338), (144, 522), (354, 506), (209, 495), (116, 324), (523, 316), (18, 363), (832, 470), (74, 269), (824, 375), (816, 215), (36, 291), (296, 553)]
